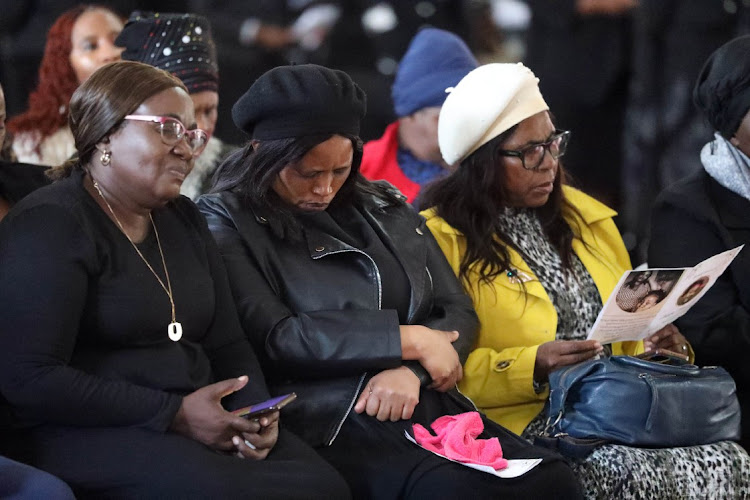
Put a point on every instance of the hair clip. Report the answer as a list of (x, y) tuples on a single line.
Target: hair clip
[(517, 276)]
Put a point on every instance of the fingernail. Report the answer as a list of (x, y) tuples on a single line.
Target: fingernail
[(236, 440), (250, 445), (242, 378)]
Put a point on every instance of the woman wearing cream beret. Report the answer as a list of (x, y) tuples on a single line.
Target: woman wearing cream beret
[(538, 259)]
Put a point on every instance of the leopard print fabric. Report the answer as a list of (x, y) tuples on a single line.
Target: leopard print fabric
[(572, 291), (715, 471)]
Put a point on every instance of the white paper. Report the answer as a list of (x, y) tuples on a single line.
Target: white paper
[(515, 467), (635, 310)]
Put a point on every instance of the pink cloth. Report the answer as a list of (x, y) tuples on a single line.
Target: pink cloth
[(457, 439)]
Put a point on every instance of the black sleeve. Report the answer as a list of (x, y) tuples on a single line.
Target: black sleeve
[(319, 343), (452, 308), (47, 263), (718, 326), (225, 344)]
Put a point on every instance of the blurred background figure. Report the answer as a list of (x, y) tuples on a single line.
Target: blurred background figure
[(664, 133), (408, 154), (79, 42), (182, 44), (16, 179), (707, 213), (365, 38), (580, 50), (253, 37), (387, 29)]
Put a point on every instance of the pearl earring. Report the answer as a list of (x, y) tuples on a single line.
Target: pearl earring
[(106, 158)]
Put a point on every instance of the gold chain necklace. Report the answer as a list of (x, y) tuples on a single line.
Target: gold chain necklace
[(174, 330)]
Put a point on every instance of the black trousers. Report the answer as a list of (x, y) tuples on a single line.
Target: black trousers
[(136, 463), (379, 463)]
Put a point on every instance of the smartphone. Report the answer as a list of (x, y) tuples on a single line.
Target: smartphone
[(664, 356), (268, 406)]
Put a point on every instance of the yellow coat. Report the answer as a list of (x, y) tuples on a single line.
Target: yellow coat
[(498, 375)]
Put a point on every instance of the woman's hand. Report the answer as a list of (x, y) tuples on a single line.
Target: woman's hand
[(434, 351), (257, 445), (668, 338), (201, 416), (558, 353), (390, 395)]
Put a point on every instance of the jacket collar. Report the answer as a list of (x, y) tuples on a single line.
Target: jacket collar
[(392, 226), (591, 212)]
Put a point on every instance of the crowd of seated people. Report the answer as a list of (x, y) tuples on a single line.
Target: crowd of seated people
[(156, 282)]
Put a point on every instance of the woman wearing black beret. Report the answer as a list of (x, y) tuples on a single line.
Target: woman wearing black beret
[(347, 297), (707, 213)]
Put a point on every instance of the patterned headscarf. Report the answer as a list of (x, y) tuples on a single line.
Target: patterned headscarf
[(178, 43)]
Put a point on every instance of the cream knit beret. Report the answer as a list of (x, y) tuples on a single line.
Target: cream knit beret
[(485, 103)]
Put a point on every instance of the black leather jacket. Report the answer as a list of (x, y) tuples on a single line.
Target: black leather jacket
[(312, 307)]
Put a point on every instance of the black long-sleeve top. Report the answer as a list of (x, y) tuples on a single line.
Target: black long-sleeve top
[(83, 328)]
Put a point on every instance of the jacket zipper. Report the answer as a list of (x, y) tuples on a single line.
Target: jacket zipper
[(362, 377), (467, 398)]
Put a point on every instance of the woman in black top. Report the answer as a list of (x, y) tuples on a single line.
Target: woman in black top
[(119, 343), (707, 213), (342, 288)]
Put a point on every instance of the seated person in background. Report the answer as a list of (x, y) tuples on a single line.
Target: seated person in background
[(708, 213), (407, 155), (107, 390), (538, 259), (341, 287), (16, 179), (79, 42), (182, 44)]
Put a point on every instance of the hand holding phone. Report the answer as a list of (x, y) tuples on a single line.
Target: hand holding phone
[(268, 406)]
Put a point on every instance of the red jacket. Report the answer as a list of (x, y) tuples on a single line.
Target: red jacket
[(379, 162)]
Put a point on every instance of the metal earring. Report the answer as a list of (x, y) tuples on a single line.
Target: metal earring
[(106, 158)]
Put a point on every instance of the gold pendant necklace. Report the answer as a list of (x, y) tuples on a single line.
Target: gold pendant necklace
[(174, 330)]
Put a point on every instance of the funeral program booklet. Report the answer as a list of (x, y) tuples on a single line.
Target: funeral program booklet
[(644, 301)]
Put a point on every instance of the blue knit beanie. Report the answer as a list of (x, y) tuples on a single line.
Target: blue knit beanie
[(435, 60)]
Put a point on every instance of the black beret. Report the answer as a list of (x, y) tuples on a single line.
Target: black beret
[(722, 91), (300, 100), (178, 43)]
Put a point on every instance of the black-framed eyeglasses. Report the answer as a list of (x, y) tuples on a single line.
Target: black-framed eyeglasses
[(532, 155), (172, 131)]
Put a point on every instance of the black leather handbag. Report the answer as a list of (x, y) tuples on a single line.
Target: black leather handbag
[(627, 400)]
